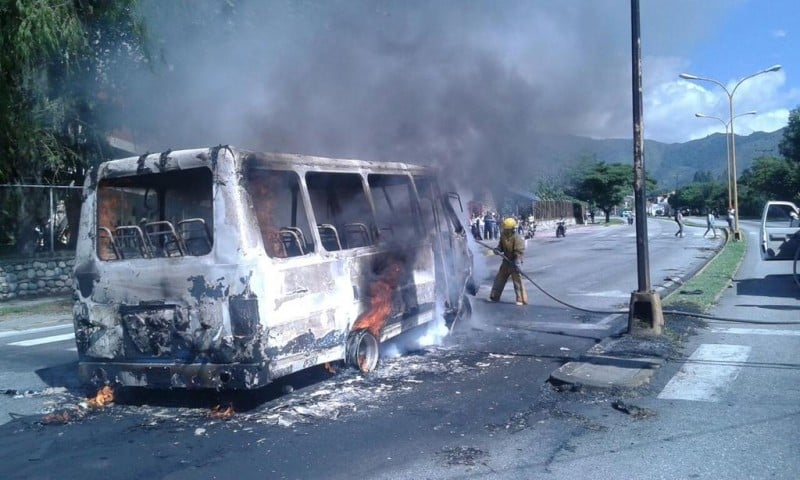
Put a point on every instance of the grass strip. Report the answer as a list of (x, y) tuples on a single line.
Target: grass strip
[(703, 290), (57, 306)]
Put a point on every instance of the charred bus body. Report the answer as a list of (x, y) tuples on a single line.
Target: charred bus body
[(223, 268)]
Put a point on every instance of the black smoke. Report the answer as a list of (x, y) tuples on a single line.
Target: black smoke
[(472, 86)]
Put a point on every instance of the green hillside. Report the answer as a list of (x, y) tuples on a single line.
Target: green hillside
[(670, 164)]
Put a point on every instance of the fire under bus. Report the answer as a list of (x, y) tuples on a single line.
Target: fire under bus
[(223, 268)]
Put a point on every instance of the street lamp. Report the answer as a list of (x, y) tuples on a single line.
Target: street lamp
[(774, 68), (727, 149)]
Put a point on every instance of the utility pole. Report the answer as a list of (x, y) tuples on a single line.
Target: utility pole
[(645, 315)]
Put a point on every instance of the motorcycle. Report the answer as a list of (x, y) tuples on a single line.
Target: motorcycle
[(529, 231), (561, 228)]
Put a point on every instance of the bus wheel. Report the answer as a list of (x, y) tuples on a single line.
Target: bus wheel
[(363, 351)]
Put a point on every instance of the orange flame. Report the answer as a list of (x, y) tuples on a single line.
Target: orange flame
[(220, 414), (103, 398), (380, 301), (329, 368)]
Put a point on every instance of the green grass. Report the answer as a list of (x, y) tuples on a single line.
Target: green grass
[(611, 221), (46, 306), (703, 290)]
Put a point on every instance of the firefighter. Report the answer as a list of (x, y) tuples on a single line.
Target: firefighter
[(511, 246)]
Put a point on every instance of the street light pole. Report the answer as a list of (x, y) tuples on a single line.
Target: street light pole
[(730, 93), (727, 150)]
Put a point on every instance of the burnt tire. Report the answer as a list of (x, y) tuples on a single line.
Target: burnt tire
[(362, 351)]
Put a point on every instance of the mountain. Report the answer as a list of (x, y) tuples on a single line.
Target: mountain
[(670, 164)]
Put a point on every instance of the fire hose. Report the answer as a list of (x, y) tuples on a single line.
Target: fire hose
[(627, 311), (574, 307)]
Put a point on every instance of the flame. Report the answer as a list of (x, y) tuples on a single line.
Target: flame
[(220, 414), (380, 300), (329, 368), (103, 398)]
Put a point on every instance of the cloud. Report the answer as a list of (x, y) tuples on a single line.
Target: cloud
[(680, 100)]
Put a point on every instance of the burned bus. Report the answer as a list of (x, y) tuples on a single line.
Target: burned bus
[(227, 269)]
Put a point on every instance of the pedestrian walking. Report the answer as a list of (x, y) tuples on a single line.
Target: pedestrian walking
[(710, 224), (679, 221), (512, 247)]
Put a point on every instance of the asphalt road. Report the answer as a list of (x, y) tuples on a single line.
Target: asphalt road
[(476, 404)]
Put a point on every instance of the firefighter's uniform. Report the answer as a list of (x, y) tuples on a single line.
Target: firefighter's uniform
[(512, 247)]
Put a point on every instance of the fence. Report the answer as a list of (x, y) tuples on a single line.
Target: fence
[(547, 210), (38, 221)]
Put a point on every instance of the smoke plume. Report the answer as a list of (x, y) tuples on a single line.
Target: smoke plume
[(472, 86)]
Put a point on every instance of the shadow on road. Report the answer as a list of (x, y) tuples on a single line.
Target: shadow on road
[(64, 375), (781, 286)]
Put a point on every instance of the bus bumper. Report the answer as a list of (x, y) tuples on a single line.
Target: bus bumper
[(189, 376)]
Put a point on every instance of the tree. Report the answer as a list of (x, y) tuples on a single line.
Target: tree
[(60, 64), (603, 185), (770, 178), (701, 197), (790, 144), (63, 65), (702, 176), (549, 188)]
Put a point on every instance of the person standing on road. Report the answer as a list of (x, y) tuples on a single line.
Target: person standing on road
[(512, 247), (488, 226), (679, 221), (710, 226)]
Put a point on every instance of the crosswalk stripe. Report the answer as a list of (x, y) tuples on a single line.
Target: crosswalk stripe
[(756, 331), (15, 333), (43, 340), (707, 373)]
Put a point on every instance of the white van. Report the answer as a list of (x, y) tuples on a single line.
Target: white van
[(224, 268)]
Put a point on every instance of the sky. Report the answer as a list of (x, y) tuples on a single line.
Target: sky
[(735, 39), (461, 83)]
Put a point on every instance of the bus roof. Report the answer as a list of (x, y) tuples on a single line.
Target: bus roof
[(207, 157)]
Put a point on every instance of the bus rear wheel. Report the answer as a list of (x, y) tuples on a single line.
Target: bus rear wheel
[(363, 351)]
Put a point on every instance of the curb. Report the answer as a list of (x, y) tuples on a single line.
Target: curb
[(584, 374)]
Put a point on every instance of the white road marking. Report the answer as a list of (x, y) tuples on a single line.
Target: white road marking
[(607, 293), (756, 331), (14, 333), (707, 373), (43, 340)]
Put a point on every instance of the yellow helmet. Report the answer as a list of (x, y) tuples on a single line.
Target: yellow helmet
[(509, 224)]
